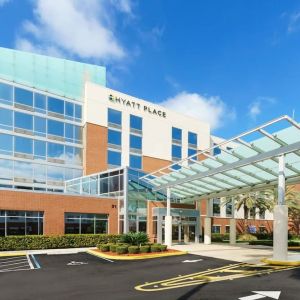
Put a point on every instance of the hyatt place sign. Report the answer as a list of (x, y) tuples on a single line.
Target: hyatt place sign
[(136, 105)]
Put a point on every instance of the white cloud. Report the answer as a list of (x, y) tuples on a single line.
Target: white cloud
[(294, 22), (256, 107), (82, 28), (207, 109)]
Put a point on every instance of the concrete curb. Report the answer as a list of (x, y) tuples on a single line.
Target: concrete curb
[(273, 262), (11, 254), (121, 257)]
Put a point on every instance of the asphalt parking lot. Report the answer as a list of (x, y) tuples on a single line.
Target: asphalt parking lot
[(83, 276)]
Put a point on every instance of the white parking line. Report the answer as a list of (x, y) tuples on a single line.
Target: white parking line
[(29, 262), (17, 263)]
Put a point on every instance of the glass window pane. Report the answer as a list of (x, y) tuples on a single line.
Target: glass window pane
[(32, 226), (23, 170), (6, 169), (135, 161), (114, 137), (69, 132), (39, 150), (87, 226), (15, 225), (114, 116), (6, 144), (193, 138), (40, 103), (6, 93), (40, 126), (216, 207), (69, 109), (136, 122), (176, 133), (55, 128), (55, 151), (2, 226), (23, 121), (23, 96), (135, 142), (77, 156), (78, 112), (114, 158), (192, 152), (6, 118), (55, 173), (101, 226), (56, 105), (176, 151), (77, 133), (39, 173), (23, 145), (72, 225)]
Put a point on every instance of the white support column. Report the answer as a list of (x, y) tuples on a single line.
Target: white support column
[(232, 234), (280, 232), (198, 230), (159, 229), (207, 223), (125, 201), (168, 221)]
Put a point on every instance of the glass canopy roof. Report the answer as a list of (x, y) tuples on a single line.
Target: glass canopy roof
[(249, 163)]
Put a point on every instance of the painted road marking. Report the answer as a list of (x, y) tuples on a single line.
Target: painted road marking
[(76, 263), (262, 294), (191, 261), (16, 263), (229, 272)]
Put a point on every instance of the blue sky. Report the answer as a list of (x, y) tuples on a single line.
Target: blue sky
[(232, 63)]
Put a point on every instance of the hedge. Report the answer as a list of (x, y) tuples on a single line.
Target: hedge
[(122, 249), (133, 249), (145, 249), (35, 242), (270, 243)]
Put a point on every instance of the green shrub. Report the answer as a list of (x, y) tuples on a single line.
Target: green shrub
[(113, 247), (163, 247), (219, 238), (122, 249), (145, 249), (133, 249), (134, 238), (155, 248), (247, 237), (35, 242), (104, 247)]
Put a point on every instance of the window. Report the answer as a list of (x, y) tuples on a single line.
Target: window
[(192, 138), (216, 150), (216, 229), (136, 122), (55, 173), (40, 103), (21, 223), (79, 223), (78, 112), (114, 117), (176, 134), (114, 137), (73, 155), (216, 207), (23, 170), (6, 169), (39, 150), (69, 132), (135, 161), (192, 152), (229, 209), (39, 126), (6, 118), (39, 174), (6, 93), (23, 145), (262, 214), (23, 97), (69, 110), (55, 151), (55, 105), (55, 128), (77, 134), (176, 151), (6, 144), (135, 142), (23, 121), (252, 212), (227, 228), (114, 158)]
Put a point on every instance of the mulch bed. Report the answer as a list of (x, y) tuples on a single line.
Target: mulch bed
[(139, 254)]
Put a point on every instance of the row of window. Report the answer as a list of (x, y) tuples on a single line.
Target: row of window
[(114, 158), (31, 223), (115, 138), (252, 229), (115, 118), (34, 125), (39, 150), (27, 172), (10, 95), (177, 136)]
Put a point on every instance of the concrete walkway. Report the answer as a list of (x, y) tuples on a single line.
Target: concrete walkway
[(238, 253)]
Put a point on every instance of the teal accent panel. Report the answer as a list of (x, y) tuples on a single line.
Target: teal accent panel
[(55, 75)]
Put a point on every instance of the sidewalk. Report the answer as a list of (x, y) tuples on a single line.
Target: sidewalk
[(238, 253)]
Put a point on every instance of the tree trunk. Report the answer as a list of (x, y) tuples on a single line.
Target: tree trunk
[(246, 214)]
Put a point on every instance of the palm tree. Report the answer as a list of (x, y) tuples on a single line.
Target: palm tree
[(251, 200)]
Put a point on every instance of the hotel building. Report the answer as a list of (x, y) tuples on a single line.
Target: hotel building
[(72, 154)]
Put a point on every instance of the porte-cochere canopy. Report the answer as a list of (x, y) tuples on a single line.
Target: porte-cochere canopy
[(246, 162)]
